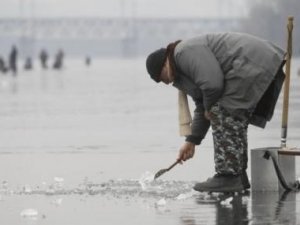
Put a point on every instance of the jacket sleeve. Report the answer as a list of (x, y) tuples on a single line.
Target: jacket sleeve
[(201, 66), (200, 124)]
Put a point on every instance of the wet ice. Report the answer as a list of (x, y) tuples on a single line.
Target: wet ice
[(146, 179)]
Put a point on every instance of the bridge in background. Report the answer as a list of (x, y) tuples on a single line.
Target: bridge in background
[(131, 34)]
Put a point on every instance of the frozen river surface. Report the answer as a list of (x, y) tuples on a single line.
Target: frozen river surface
[(79, 146)]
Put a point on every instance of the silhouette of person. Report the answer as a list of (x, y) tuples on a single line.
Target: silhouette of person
[(13, 60), (58, 63), (3, 67), (44, 58), (87, 60)]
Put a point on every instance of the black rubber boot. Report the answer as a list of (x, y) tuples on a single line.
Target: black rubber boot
[(221, 183)]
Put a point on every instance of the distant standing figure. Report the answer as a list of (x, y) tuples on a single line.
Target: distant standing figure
[(87, 60), (28, 64), (58, 63), (13, 60), (3, 67), (44, 58)]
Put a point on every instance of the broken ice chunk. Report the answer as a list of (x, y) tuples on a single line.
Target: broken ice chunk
[(146, 179), (227, 201), (27, 189), (186, 195), (57, 201), (29, 213), (59, 179), (161, 202), (245, 200), (181, 197), (58, 182)]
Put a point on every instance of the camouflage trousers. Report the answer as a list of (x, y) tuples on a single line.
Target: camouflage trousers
[(230, 140)]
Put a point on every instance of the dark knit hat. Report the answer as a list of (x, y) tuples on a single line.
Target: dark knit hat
[(155, 62)]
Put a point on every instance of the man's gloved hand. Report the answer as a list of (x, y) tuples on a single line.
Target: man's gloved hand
[(186, 151)]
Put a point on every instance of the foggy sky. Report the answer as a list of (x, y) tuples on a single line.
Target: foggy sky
[(121, 8)]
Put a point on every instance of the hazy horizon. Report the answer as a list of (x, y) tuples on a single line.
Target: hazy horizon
[(122, 8)]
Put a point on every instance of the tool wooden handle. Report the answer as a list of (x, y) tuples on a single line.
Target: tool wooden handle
[(174, 164), (287, 82)]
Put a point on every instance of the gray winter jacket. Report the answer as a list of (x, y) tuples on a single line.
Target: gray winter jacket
[(232, 69)]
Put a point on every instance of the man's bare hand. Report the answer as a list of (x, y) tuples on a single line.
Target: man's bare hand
[(186, 151), (207, 115)]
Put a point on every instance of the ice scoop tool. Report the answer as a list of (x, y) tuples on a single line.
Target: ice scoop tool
[(162, 171)]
